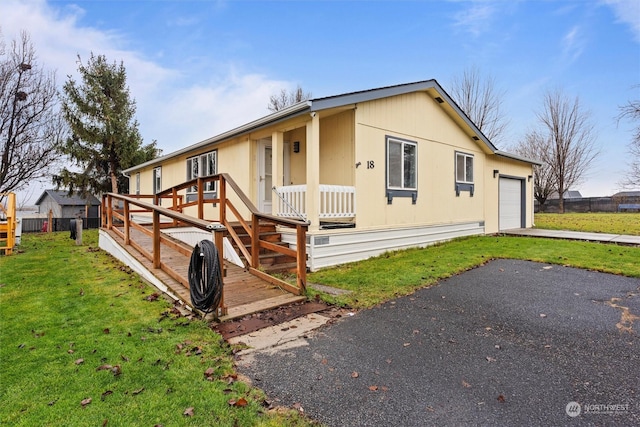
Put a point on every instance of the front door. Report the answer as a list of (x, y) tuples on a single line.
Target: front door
[(265, 175)]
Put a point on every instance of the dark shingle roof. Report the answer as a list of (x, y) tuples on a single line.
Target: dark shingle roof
[(62, 198)]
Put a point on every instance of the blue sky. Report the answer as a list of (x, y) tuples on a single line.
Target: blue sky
[(199, 68)]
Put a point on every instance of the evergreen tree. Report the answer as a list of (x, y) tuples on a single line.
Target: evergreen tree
[(104, 132)]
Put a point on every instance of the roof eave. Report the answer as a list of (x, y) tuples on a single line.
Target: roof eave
[(286, 113), (517, 157)]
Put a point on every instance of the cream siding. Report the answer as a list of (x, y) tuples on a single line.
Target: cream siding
[(336, 149), (511, 168), (416, 117)]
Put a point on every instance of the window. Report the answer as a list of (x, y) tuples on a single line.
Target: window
[(138, 183), (200, 166), (157, 179), (402, 168), (464, 173), (464, 168)]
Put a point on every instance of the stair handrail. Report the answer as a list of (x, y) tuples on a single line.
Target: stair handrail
[(251, 227)]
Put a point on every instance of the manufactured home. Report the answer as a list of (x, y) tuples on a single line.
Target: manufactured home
[(369, 171)]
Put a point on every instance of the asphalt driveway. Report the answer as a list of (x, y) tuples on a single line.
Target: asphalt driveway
[(509, 343)]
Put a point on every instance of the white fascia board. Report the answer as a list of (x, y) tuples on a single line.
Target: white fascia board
[(517, 157)]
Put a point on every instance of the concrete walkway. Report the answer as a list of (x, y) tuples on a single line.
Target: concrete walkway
[(575, 235)]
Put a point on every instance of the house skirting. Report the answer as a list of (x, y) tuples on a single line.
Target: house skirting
[(327, 248)]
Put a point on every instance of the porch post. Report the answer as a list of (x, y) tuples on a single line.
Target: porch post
[(277, 166), (313, 172)]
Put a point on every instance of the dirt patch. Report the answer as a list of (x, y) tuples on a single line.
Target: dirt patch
[(257, 321)]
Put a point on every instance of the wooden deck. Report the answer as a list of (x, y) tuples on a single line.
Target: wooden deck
[(244, 293)]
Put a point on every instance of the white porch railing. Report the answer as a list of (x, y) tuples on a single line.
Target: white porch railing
[(336, 201)]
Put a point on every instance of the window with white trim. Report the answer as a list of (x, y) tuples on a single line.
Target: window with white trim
[(464, 168), (200, 166), (464, 173), (157, 179), (402, 168)]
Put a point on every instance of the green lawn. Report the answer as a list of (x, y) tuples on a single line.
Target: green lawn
[(400, 273), (613, 223), (83, 342)]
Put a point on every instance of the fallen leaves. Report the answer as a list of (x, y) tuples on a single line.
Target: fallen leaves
[(188, 412), (239, 403), (354, 374), (153, 297), (85, 402)]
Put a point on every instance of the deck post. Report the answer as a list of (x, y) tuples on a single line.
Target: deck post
[(218, 240), (301, 259), (255, 241), (222, 189), (156, 239), (200, 198), (109, 212), (127, 235), (103, 211), (174, 203)]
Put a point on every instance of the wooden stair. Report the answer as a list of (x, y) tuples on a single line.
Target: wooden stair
[(270, 262)]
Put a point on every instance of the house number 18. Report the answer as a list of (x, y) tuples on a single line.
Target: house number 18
[(370, 164)]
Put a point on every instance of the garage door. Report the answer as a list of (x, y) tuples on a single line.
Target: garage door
[(510, 209)]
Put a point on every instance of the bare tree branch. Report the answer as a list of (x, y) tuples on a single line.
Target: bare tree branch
[(481, 101), (571, 146), (285, 99), (536, 146), (30, 122), (631, 111)]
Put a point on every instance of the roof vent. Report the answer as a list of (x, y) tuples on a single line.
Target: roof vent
[(475, 138), (440, 100)]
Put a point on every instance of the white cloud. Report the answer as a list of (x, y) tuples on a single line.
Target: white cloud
[(573, 44), (174, 106), (628, 12), (476, 18)]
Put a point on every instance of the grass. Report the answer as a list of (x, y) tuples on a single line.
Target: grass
[(612, 223), (66, 312), (400, 273)]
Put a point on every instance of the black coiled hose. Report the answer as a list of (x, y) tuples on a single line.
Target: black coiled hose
[(205, 277)]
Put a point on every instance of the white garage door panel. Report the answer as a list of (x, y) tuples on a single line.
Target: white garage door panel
[(510, 203)]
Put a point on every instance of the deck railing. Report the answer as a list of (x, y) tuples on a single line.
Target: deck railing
[(172, 212), (336, 201)]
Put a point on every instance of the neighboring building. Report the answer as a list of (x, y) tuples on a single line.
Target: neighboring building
[(64, 206), (371, 171), (569, 194), (626, 194)]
